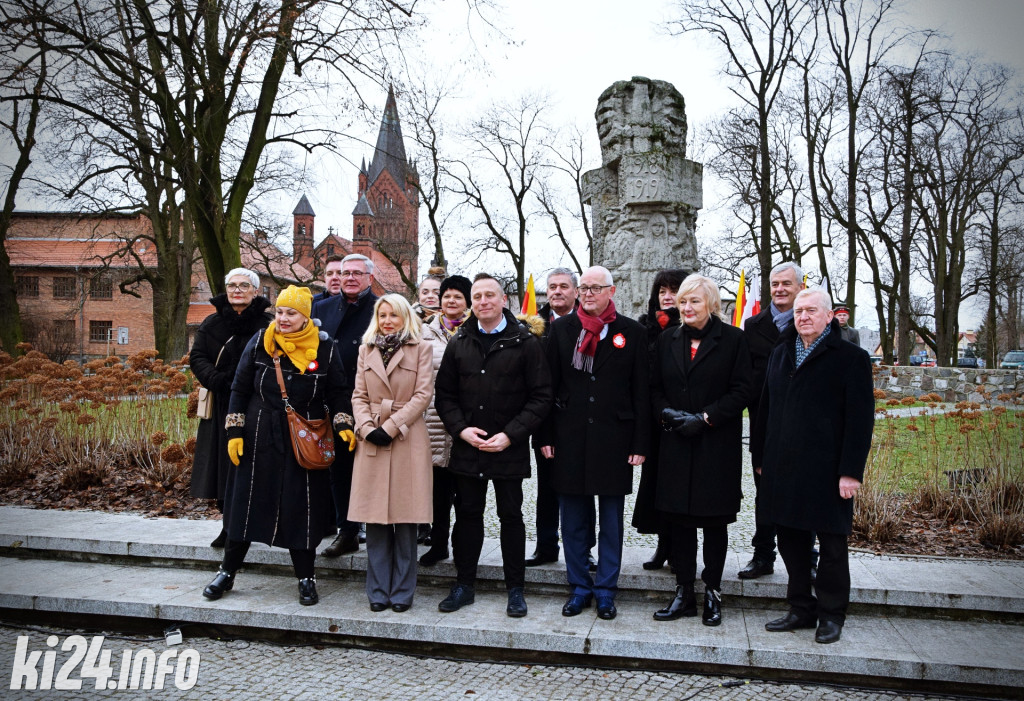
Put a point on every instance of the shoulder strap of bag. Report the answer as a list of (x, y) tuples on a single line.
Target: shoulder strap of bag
[(217, 361), (280, 380)]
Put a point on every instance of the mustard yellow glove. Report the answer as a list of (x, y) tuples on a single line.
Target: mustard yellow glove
[(234, 450), (350, 438)]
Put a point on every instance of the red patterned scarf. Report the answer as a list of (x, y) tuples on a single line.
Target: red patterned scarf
[(586, 346)]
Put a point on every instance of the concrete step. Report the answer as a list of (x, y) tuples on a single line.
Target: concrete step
[(919, 587), (975, 657)]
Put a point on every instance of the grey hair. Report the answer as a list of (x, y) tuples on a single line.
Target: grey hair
[(789, 265), (823, 296), (564, 271), (253, 277), (359, 257)]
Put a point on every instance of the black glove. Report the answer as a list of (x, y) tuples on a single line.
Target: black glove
[(692, 425), (379, 436), (672, 419)]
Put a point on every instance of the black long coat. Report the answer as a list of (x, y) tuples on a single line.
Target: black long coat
[(346, 322), (506, 388), (229, 330), (273, 499), (601, 417), (815, 424), (762, 337), (700, 476)]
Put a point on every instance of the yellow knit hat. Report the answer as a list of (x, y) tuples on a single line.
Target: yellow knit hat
[(298, 298)]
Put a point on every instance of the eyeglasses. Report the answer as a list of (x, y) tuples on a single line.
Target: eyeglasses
[(352, 273), (592, 289), (239, 286)]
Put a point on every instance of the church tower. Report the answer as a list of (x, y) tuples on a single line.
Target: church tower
[(302, 233), (385, 221)]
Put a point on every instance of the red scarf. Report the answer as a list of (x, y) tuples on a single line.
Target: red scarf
[(586, 346)]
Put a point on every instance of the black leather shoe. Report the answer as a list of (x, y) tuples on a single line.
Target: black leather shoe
[(307, 591), (220, 584), (659, 558), (422, 533), (538, 558), (606, 608), (362, 532), (400, 608), (220, 540), (516, 603), (756, 568), (460, 595), (576, 603), (342, 545), (790, 621), (828, 632), (591, 563), (377, 606), (712, 615), (433, 556), (685, 604)]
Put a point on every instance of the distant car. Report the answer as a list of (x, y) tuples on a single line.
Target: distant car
[(928, 363), (967, 360), (1013, 360), (876, 360)]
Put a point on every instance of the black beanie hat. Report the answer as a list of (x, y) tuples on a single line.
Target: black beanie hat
[(459, 284)]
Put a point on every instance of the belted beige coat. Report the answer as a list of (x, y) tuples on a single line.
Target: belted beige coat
[(392, 484)]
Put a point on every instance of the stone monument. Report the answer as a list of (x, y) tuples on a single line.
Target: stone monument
[(646, 195)]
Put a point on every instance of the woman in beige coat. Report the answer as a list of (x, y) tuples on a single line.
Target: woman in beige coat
[(455, 295), (391, 479)]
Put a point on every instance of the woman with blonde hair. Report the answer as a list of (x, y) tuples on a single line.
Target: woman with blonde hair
[(272, 499), (700, 383), (391, 479)]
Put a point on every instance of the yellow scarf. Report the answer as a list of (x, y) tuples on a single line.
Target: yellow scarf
[(300, 346)]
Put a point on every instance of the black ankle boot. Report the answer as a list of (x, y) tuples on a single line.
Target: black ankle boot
[(712, 607), (220, 540), (307, 591), (659, 558), (220, 584), (685, 604)]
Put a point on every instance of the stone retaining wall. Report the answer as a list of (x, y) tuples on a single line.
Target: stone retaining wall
[(952, 384)]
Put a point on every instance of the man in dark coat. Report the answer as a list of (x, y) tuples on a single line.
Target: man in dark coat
[(810, 445), (599, 432), (764, 332), (848, 333), (563, 299), (332, 279), (345, 317), (492, 391)]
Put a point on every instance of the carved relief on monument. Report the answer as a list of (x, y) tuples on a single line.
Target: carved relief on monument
[(646, 196)]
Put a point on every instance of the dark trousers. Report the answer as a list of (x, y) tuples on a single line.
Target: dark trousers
[(444, 497), (764, 533), (390, 563), (547, 508), (832, 584), (577, 535), (341, 489), (682, 554), (236, 550), (468, 534)]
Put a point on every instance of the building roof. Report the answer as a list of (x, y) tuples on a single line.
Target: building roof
[(362, 207), (389, 153), (303, 208), (198, 311), (75, 253)]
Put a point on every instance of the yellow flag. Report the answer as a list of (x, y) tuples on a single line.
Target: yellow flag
[(530, 298)]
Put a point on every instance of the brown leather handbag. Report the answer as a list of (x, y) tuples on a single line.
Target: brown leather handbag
[(312, 439)]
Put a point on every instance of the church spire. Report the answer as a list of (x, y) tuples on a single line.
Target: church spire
[(389, 154)]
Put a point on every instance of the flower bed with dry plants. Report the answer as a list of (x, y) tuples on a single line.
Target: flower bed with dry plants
[(945, 481), (118, 435), (113, 434)]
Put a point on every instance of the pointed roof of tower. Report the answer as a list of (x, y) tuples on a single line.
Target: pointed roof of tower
[(389, 154), (303, 207), (362, 207)]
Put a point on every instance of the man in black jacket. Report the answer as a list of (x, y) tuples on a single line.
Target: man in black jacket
[(599, 431), (810, 445), (492, 391), (763, 332), (345, 318)]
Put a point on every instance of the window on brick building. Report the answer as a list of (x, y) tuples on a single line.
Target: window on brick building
[(63, 330), (101, 287), (266, 291), (330, 250), (100, 331), (27, 285), (64, 287)]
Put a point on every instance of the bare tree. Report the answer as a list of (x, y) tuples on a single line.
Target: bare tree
[(567, 157), (759, 37), (509, 143)]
